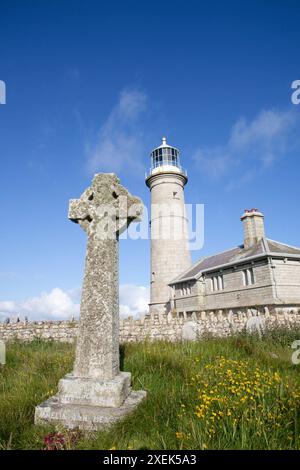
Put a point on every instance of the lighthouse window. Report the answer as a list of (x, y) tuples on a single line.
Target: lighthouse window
[(157, 161), (165, 156)]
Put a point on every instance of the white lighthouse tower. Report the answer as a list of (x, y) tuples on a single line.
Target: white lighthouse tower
[(170, 255)]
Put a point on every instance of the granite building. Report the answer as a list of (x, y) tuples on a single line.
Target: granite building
[(258, 272)]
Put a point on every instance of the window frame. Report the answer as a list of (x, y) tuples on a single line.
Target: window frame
[(248, 277), (217, 283)]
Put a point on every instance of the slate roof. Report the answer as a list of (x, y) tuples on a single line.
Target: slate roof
[(238, 255), (276, 247)]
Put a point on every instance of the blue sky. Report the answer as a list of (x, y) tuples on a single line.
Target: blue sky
[(93, 86)]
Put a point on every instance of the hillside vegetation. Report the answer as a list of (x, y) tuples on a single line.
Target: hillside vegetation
[(237, 393)]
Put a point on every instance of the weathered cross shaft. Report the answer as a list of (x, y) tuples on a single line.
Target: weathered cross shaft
[(104, 210), (97, 352)]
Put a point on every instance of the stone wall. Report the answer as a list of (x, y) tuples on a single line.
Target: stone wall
[(64, 331), (164, 327)]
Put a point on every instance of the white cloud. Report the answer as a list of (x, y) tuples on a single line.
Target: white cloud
[(259, 143), (133, 300), (61, 305), (120, 142), (55, 305)]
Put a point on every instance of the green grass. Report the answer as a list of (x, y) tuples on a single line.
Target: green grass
[(177, 378)]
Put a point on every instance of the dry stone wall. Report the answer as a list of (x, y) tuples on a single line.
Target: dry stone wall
[(171, 327)]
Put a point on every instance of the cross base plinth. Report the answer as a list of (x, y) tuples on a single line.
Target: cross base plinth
[(89, 403), (85, 417), (92, 391)]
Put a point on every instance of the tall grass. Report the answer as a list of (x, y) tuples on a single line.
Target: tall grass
[(177, 377), (29, 377)]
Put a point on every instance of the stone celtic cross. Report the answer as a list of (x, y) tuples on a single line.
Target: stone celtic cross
[(104, 210), (96, 394)]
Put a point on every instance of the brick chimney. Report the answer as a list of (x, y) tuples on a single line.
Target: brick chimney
[(254, 228)]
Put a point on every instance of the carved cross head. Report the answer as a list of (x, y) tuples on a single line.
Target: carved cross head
[(106, 208)]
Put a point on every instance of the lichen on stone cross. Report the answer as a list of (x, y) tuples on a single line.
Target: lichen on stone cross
[(104, 210)]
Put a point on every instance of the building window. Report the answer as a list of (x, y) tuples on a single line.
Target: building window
[(248, 277), (185, 289), (217, 283)]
